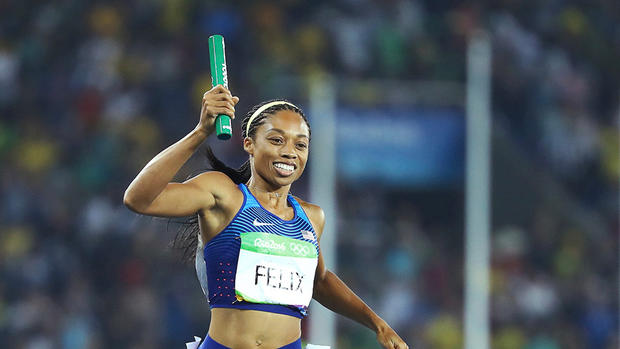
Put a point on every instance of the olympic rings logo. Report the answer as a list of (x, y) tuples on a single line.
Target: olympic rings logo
[(299, 249)]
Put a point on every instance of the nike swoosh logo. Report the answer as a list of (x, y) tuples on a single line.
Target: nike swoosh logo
[(258, 224)]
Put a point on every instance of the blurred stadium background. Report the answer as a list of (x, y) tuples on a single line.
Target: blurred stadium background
[(91, 91)]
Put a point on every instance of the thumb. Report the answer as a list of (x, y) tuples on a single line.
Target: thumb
[(235, 100)]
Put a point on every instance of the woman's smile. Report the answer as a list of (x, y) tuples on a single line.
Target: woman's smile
[(284, 169)]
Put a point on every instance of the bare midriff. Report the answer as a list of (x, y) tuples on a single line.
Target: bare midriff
[(251, 329)]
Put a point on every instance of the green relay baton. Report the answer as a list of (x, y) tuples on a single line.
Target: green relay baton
[(223, 123)]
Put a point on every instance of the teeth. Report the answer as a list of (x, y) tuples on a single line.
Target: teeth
[(285, 167)]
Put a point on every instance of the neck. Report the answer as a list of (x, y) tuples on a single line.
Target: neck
[(276, 196)]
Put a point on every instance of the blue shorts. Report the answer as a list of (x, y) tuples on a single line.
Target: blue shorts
[(209, 343)]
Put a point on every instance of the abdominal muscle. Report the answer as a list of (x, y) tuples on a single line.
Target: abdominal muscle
[(251, 329)]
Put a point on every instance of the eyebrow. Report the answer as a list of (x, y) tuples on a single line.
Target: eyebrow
[(281, 131)]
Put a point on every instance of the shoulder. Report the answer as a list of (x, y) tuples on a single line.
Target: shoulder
[(216, 183), (315, 214), (215, 175), (214, 179)]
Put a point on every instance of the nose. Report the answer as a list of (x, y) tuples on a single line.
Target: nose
[(288, 151)]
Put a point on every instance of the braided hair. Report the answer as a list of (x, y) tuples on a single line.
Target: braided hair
[(186, 239)]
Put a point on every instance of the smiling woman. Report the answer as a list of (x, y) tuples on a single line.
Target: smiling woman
[(260, 262)]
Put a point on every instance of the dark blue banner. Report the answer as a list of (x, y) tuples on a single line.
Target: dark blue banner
[(405, 147)]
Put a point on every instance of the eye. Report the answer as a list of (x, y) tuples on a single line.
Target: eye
[(302, 145), (276, 140)]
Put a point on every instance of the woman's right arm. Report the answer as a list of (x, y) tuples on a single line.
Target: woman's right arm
[(152, 193)]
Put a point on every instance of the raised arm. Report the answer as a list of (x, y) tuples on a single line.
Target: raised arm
[(152, 193), (336, 296)]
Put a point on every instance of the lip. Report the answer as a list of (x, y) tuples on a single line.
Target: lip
[(286, 162), (283, 173)]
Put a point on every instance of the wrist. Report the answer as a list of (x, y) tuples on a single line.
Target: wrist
[(379, 325), (201, 133), (196, 137)]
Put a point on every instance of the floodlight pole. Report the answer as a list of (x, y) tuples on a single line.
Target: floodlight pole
[(323, 193), (477, 189)]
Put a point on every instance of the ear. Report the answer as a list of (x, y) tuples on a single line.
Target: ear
[(248, 146)]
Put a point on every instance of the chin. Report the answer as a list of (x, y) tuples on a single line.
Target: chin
[(285, 181), (277, 178)]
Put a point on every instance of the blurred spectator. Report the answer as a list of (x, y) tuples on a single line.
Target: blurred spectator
[(90, 92)]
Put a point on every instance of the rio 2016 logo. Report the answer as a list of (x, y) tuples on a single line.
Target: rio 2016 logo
[(269, 244)]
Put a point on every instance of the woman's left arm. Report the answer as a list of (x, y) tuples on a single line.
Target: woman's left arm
[(336, 296)]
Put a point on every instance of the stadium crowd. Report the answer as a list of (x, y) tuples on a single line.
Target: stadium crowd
[(91, 91)]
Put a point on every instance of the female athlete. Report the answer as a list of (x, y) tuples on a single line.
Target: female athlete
[(261, 244)]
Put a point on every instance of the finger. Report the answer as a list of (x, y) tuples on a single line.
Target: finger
[(221, 96), (218, 91), (223, 110), (229, 107), (212, 95), (401, 345), (223, 103), (387, 344), (215, 90), (224, 97), (235, 100), (219, 88)]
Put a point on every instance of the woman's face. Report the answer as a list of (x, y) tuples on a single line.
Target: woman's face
[(280, 147)]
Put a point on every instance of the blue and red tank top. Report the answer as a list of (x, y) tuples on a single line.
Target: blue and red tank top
[(218, 266)]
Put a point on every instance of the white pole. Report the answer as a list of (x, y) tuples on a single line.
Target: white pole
[(477, 209), (618, 124), (323, 193)]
